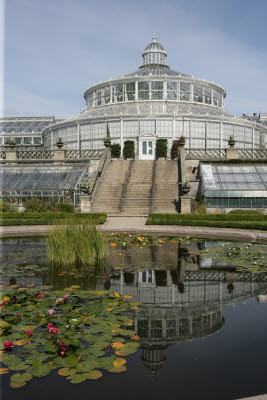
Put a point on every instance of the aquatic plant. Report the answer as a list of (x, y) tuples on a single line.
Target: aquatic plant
[(76, 243), (88, 332)]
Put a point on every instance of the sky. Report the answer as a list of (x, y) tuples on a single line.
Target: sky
[(53, 50)]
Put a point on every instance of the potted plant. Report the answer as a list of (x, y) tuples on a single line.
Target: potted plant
[(107, 141), (59, 143), (85, 184), (11, 142), (231, 141), (185, 185)]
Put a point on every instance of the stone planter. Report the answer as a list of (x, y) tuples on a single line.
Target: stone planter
[(107, 143), (231, 143), (85, 189), (181, 142), (60, 145), (186, 189)]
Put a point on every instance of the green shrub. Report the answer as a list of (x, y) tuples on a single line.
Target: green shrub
[(161, 148), (174, 149), (5, 207), (49, 218), (115, 150), (210, 220), (245, 212), (206, 217), (63, 207), (35, 205), (128, 151)]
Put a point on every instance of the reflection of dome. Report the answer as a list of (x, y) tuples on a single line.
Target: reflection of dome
[(159, 327), (153, 358)]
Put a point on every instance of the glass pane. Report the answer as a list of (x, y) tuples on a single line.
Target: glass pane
[(150, 147), (144, 147)]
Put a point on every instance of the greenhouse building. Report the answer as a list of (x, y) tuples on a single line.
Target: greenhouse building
[(153, 102)]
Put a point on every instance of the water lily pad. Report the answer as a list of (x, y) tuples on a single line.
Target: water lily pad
[(66, 371), (17, 385), (39, 369), (118, 369), (77, 378), (86, 366), (70, 361), (18, 378), (95, 374)]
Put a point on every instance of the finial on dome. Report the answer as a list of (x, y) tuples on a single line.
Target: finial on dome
[(154, 54)]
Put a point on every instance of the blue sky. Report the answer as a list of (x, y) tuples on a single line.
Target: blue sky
[(55, 49)]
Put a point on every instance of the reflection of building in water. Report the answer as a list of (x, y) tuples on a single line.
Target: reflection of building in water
[(172, 312), (159, 327)]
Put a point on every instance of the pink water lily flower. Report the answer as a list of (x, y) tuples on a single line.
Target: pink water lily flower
[(60, 300), (56, 330), (3, 309), (29, 333), (51, 312), (51, 330), (39, 295), (50, 325), (19, 315), (66, 296), (8, 344)]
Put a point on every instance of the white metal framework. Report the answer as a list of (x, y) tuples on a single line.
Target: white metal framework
[(156, 102)]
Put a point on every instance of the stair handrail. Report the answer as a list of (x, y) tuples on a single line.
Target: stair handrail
[(100, 172), (152, 184), (127, 177)]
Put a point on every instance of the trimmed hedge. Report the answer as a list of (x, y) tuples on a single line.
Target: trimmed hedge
[(206, 217), (128, 150), (47, 219), (246, 212), (161, 148), (115, 150), (210, 220)]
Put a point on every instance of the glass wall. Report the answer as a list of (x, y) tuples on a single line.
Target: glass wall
[(154, 90), (236, 202)]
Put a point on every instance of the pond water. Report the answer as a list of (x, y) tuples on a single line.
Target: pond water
[(201, 322)]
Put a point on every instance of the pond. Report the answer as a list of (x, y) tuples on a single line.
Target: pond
[(201, 320)]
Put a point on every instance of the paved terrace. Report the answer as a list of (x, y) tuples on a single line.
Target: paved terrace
[(135, 224)]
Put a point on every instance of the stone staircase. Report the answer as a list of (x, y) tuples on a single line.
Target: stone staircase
[(165, 187), (138, 187), (136, 199), (108, 195)]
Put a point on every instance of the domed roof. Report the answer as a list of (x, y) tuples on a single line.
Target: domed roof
[(154, 46), (154, 54)]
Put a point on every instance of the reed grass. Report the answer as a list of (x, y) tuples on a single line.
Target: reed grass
[(75, 243)]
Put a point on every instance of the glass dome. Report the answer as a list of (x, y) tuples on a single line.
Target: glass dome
[(154, 54)]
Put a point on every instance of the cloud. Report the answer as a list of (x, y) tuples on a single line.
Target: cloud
[(56, 50)]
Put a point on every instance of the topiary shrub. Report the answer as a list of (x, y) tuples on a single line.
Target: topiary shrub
[(62, 207), (128, 151), (174, 149), (161, 148), (35, 206), (115, 150)]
